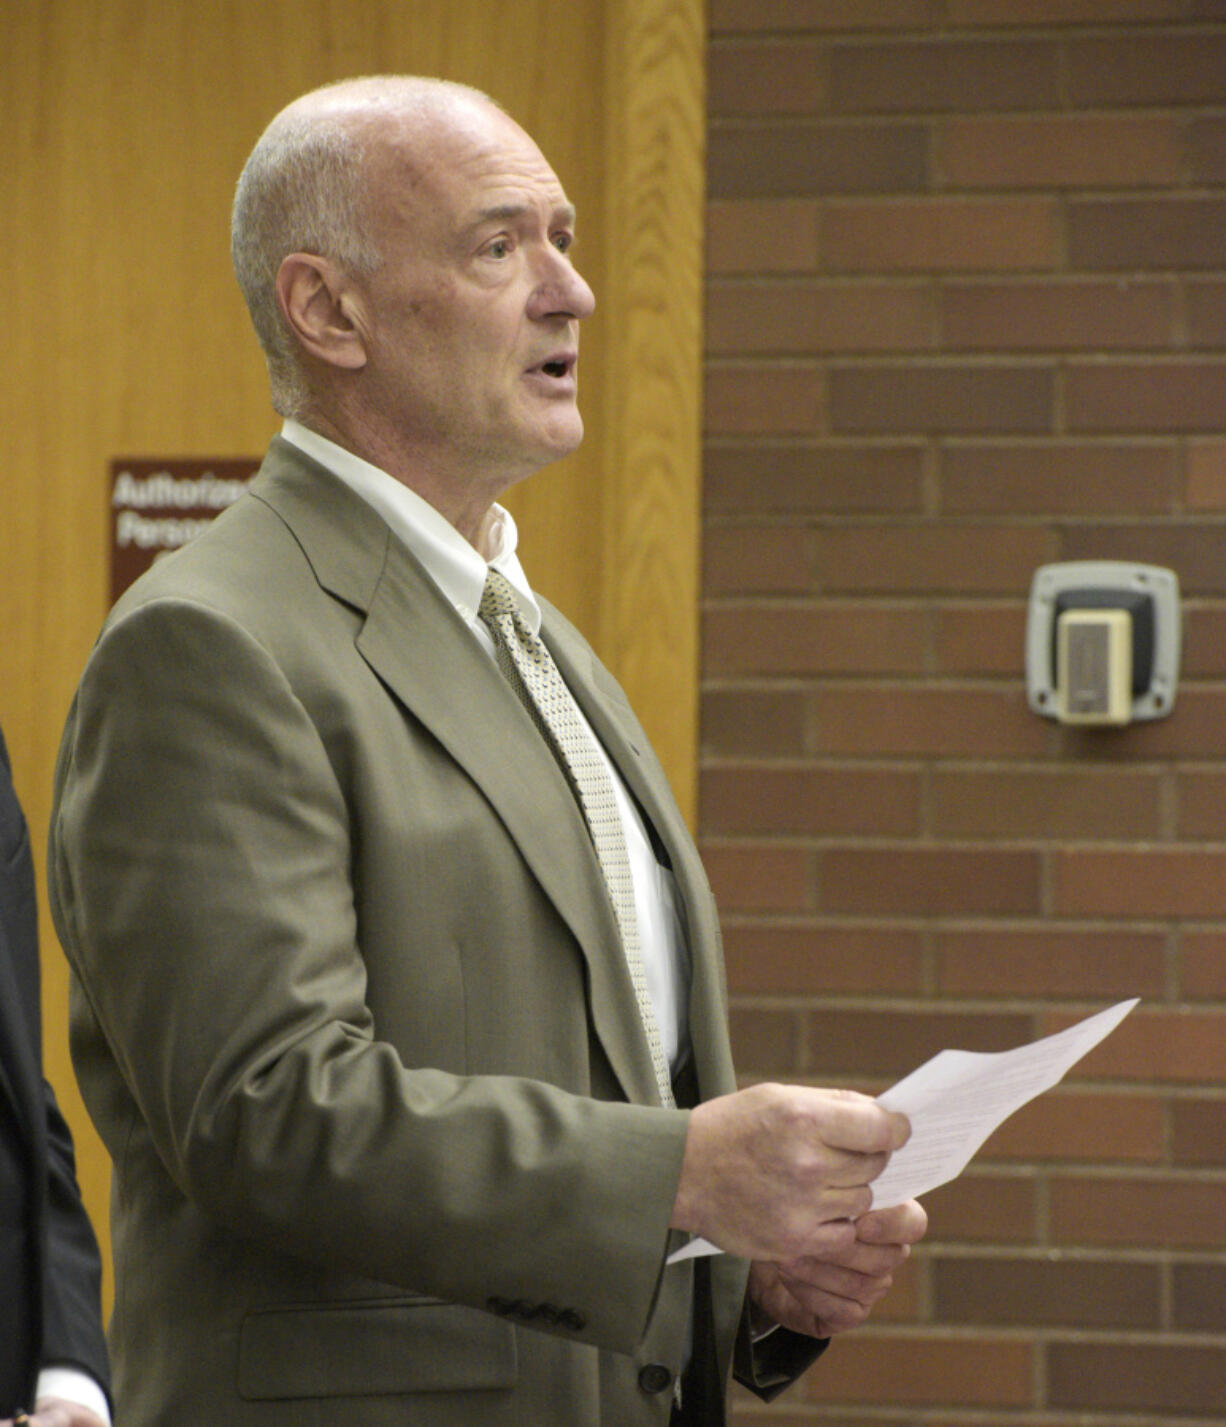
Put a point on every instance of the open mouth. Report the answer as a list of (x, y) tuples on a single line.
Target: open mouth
[(557, 368)]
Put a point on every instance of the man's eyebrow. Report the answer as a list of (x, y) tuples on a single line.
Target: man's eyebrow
[(505, 212)]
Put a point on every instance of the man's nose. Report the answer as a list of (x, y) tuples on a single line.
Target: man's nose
[(562, 291)]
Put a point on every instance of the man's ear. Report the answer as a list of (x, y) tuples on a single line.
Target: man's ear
[(321, 309)]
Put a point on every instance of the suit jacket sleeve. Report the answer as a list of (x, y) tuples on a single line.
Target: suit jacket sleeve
[(71, 1270), (72, 1326), (772, 1364)]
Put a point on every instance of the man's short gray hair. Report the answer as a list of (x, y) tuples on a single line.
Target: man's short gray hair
[(304, 190)]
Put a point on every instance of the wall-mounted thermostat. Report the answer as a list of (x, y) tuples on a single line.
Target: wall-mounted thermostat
[(1102, 642)]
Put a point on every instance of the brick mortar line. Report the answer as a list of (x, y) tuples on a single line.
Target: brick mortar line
[(951, 1003), (892, 842), (906, 441), (788, 1003), (758, 121), (1045, 1335), (1046, 30), (791, 762), (923, 1416), (964, 1251), (855, 521), (746, 1412), (816, 923), (1056, 359)]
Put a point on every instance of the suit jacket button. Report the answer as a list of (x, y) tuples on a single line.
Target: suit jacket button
[(655, 1377), (575, 1321)]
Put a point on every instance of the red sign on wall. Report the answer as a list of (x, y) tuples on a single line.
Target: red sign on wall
[(156, 506)]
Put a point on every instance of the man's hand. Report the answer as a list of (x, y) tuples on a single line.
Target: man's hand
[(772, 1171), (58, 1412), (821, 1295)]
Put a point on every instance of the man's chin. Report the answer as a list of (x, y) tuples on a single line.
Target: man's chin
[(562, 438)]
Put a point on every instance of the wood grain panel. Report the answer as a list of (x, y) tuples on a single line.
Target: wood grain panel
[(652, 358), (126, 333)]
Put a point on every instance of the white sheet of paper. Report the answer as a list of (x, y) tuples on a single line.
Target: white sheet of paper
[(955, 1100)]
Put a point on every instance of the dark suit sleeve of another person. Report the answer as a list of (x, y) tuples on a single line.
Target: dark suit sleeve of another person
[(72, 1324), (68, 1320)]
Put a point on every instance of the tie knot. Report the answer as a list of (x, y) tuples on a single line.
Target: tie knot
[(497, 598)]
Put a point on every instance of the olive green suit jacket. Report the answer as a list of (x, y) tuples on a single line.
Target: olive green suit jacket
[(349, 1008)]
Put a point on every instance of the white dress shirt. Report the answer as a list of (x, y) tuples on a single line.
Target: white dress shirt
[(73, 1385), (459, 571)]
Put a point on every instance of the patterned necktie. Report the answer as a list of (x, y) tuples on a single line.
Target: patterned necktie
[(531, 672)]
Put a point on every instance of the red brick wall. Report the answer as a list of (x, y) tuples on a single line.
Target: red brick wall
[(967, 315)]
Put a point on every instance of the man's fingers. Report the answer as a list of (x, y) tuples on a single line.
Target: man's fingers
[(829, 1242), (812, 1310), (847, 1120), (764, 1168), (830, 1205), (843, 1169), (834, 1282), (830, 1304), (901, 1224), (859, 1259)]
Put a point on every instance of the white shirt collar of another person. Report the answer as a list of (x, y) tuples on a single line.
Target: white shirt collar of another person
[(450, 561)]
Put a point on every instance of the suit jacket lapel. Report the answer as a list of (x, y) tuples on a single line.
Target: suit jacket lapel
[(424, 653), (615, 724)]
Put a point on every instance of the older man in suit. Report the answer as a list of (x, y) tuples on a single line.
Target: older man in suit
[(398, 993), (52, 1353)]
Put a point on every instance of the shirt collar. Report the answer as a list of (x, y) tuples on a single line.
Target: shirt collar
[(450, 561)]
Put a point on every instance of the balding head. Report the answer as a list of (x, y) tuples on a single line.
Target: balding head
[(305, 188)]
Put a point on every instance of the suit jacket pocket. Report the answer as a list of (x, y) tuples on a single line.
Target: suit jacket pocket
[(369, 1347)]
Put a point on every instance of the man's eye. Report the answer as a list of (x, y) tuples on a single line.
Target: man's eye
[(500, 248), (563, 242)]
